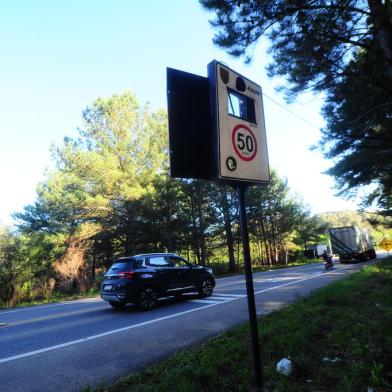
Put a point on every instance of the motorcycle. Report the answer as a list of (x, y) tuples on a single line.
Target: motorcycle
[(328, 263)]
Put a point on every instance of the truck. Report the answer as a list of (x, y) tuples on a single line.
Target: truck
[(352, 243), (318, 250)]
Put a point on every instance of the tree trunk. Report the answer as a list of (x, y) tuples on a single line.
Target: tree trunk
[(93, 277), (195, 240), (274, 245), (228, 231), (238, 248), (381, 15), (169, 231), (202, 238), (130, 235), (266, 244)]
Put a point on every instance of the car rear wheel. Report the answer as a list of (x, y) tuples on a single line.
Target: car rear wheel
[(117, 305), (148, 298), (206, 288)]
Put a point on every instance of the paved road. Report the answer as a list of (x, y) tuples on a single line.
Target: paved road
[(69, 345)]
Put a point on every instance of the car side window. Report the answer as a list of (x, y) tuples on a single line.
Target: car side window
[(177, 262), (139, 263), (158, 261)]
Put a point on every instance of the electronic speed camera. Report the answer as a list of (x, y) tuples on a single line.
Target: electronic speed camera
[(239, 125), (216, 126)]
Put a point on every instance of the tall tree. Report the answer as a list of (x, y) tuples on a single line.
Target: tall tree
[(199, 208), (343, 48), (25, 264), (99, 178), (274, 215), (227, 207), (359, 131), (309, 230)]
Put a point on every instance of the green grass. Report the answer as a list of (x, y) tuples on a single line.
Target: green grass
[(350, 319)]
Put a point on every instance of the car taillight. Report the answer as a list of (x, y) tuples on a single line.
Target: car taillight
[(126, 275)]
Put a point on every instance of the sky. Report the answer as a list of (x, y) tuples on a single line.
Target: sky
[(57, 57)]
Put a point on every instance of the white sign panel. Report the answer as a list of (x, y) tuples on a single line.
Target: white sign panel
[(242, 144)]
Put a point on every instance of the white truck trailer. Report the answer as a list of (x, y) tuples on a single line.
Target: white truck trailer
[(318, 250), (352, 243)]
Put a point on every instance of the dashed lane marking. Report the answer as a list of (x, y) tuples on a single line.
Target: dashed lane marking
[(218, 298), (229, 295), (205, 301)]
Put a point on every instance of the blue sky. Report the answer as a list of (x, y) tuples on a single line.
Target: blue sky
[(57, 57)]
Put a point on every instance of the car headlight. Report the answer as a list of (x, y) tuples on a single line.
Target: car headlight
[(209, 270)]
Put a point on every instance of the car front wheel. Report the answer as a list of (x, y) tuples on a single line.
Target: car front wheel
[(147, 298), (206, 288)]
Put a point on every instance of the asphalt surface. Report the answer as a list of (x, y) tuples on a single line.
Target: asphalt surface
[(69, 345)]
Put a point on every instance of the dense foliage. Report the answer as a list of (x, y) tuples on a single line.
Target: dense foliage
[(341, 48), (110, 195)]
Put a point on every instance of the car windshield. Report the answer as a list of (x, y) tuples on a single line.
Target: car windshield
[(121, 266)]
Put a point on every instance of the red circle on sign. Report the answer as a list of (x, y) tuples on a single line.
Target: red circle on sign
[(244, 143)]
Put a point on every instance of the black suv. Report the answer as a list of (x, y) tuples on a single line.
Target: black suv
[(142, 279)]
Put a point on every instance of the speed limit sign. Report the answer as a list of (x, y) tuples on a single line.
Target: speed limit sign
[(244, 142), (240, 129)]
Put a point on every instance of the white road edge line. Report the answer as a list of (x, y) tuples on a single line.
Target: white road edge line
[(101, 335), (229, 295)]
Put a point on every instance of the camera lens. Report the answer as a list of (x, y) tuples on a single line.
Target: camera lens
[(224, 74), (240, 84)]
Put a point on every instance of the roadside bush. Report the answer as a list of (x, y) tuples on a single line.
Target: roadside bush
[(7, 288)]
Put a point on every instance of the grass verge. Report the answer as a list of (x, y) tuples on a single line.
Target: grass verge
[(350, 320)]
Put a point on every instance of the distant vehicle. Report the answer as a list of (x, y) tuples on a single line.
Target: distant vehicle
[(352, 243), (318, 250), (142, 279)]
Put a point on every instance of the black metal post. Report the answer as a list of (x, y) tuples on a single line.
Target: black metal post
[(249, 288)]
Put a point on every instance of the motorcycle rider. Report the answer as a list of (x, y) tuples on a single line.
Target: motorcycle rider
[(327, 259)]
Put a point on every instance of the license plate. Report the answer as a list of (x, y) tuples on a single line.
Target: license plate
[(108, 287)]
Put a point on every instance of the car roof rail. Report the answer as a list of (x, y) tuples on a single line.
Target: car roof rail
[(156, 254)]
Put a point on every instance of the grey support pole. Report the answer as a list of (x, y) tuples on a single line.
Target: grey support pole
[(249, 288)]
